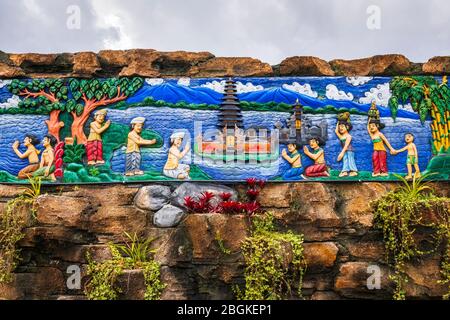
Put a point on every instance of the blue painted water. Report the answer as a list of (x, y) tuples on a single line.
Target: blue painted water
[(15, 127)]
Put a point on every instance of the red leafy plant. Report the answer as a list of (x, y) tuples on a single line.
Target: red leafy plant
[(202, 205), (226, 205)]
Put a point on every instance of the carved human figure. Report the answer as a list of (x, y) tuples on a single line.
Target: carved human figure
[(295, 160), (94, 145), (47, 164), (347, 154), (31, 153), (379, 155), (173, 168), (412, 158), (319, 168), (134, 143)]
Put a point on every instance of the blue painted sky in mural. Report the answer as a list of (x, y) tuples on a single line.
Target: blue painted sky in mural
[(315, 92)]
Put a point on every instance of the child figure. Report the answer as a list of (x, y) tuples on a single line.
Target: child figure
[(319, 168), (347, 154), (412, 159), (295, 160), (379, 155)]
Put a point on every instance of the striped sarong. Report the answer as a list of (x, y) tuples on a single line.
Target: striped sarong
[(133, 162)]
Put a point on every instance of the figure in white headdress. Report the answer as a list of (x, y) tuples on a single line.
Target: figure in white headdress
[(135, 141), (173, 168)]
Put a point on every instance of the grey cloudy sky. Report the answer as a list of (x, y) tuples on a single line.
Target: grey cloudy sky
[(266, 29)]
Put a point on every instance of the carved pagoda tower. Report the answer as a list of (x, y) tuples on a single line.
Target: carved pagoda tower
[(230, 115)]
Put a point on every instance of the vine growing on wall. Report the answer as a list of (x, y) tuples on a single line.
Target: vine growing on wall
[(398, 214), (269, 273), (12, 222), (134, 254)]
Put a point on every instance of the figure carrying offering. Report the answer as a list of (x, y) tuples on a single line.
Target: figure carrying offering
[(347, 155)]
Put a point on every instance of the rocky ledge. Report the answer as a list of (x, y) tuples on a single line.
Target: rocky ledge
[(152, 63), (340, 241)]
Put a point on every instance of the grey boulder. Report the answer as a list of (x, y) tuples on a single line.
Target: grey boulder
[(152, 197), (168, 216)]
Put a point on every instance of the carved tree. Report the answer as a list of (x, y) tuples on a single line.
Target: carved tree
[(88, 95), (46, 96), (78, 97)]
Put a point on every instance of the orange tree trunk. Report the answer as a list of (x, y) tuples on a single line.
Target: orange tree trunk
[(53, 124), (78, 127)]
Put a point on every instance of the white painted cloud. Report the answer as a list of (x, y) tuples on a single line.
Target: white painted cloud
[(184, 82), (154, 81), (219, 86), (10, 103), (248, 87), (381, 95), (4, 83), (357, 81), (302, 89), (332, 92)]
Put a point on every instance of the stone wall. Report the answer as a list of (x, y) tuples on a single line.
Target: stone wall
[(152, 63), (335, 218)]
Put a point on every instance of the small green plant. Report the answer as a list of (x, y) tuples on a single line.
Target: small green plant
[(103, 276), (136, 250), (398, 214), (133, 254), (221, 244), (74, 153), (269, 273), (93, 171), (12, 222)]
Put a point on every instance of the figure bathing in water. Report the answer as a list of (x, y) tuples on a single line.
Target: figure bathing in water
[(32, 154), (319, 168), (94, 145), (412, 158), (134, 143), (173, 168), (295, 160), (347, 155)]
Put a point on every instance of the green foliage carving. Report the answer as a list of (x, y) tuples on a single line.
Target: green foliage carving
[(74, 153), (428, 97)]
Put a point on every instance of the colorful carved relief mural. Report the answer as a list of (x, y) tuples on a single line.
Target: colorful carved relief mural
[(281, 129)]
